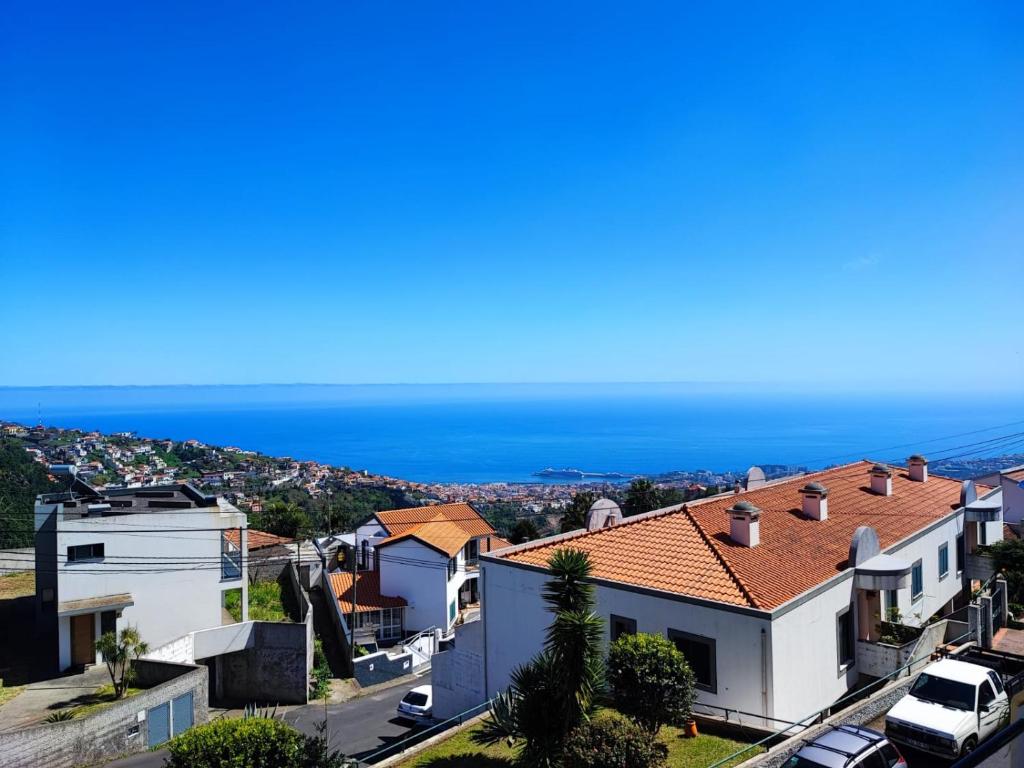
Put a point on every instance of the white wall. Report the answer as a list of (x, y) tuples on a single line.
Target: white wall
[(457, 675), (372, 532), (421, 578), (170, 600), (1013, 500), (515, 619)]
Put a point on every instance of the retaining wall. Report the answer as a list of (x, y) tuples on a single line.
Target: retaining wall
[(113, 731)]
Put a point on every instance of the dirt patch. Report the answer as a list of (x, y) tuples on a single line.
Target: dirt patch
[(14, 585)]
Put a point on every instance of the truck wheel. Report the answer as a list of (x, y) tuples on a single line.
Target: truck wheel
[(969, 744)]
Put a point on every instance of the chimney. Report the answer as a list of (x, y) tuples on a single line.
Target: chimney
[(603, 513), (815, 501), (918, 466), (745, 524), (881, 480)]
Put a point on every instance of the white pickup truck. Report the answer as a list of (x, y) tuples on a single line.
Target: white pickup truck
[(951, 707)]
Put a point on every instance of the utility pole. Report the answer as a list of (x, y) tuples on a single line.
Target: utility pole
[(355, 605)]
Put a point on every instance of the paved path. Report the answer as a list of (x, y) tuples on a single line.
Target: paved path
[(358, 727), (38, 700)]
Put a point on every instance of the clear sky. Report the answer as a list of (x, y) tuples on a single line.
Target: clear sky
[(482, 192)]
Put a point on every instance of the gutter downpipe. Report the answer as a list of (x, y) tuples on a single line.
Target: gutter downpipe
[(764, 674)]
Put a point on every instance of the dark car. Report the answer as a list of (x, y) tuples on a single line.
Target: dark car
[(848, 746)]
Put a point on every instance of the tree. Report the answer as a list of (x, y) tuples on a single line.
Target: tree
[(1008, 557), (575, 515), (641, 497), (119, 653), (524, 530), (21, 479), (612, 742), (555, 692), (282, 518), (650, 681)]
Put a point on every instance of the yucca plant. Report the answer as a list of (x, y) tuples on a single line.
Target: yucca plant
[(119, 652), (60, 716)]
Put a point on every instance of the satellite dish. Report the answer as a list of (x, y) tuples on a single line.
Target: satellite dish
[(755, 478)]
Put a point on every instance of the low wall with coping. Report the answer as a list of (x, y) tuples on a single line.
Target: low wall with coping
[(119, 729)]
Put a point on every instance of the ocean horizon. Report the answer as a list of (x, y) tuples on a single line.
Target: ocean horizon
[(505, 433)]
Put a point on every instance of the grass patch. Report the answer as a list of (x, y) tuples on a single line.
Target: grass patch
[(264, 603), (460, 752), (101, 698), (9, 692), (14, 585)]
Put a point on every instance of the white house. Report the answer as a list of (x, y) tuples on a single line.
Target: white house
[(417, 569), (160, 559), (773, 593), (1011, 483)]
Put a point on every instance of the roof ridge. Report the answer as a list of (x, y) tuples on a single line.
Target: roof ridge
[(721, 558)]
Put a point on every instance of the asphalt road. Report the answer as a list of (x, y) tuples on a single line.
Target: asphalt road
[(361, 726), (358, 727)]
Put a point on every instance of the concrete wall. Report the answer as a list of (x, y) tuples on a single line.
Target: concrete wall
[(113, 731), (457, 675), (17, 560), (422, 579), (1013, 500), (275, 669), (381, 667)]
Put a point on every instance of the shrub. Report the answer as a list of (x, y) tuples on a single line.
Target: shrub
[(612, 742), (255, 742), (650, 681), (320, 683)]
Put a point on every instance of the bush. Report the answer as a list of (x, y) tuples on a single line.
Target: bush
[(254, 742), (612, 742), (650, 681), (320, 684)]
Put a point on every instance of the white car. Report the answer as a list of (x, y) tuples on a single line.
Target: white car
[(952, 707), (418, 704)]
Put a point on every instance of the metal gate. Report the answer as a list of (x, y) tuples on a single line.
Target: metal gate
[(998, 619), (159, 725)]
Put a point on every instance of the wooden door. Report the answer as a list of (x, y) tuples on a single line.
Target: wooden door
[(83, 630)]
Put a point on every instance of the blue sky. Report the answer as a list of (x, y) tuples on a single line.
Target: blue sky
[(473, 192)]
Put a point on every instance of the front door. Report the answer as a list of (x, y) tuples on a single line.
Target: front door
[(83, 640)]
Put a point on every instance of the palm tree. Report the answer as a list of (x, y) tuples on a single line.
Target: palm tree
[(555, 692), (119, 653)]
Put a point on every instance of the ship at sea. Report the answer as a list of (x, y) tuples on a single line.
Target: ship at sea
[(570, 473)]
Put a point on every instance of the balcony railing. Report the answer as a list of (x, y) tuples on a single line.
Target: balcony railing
[(231, 565)]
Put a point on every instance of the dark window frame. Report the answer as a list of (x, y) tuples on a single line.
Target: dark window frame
[(712, 644), (844, 664), (630, 626), (76, 553), (943, 551), (961, 552), (917, 567)]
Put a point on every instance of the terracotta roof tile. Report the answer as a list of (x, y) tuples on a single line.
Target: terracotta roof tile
[(437, 532), (400, 520), (689, 551), (258, 539), (368, 596)]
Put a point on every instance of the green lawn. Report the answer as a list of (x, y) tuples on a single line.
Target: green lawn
[(264, 603), (460, 752), (9, 692)]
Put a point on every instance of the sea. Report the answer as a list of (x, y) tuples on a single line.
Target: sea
[(506, 433)]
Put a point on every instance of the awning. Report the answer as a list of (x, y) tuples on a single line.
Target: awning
[(984, 510), (881, 572), (93, 604)]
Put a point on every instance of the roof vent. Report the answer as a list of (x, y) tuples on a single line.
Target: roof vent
[(745, 524), (755, 478), (881, 480), (815, 501), (918, 468), (603, 513), (98, 510)]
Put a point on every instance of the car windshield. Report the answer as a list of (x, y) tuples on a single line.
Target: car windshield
[(415, 698), (948, 693)]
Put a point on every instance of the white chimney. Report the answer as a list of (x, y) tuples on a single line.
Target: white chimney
[(881, 480), (918, 466), (815, 501), (603, 513), (745, 524)]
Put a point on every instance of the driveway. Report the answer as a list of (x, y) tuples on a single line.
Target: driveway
[(361, 726), (358, 727), (40, 699)]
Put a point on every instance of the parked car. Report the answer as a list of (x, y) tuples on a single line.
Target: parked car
[(418, 704), (848, 746), (952, 706)]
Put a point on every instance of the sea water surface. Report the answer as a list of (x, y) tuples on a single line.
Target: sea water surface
[(484, 433)]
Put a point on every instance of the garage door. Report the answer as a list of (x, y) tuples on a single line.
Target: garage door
[(181, 714), (159, 727)]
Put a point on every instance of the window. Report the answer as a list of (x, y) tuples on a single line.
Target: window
[(943, 560), (230, 557), (996, 681), (453, 568), (451, 612), (844, 639), (390, 623), (364, 555), (873, 760), (892, 603), (916, 582), (471, 551), (619, 626), (889, 755), (985, 696), (85, 552), (700, 654), (982, 534), (960, 553), (108, 622)]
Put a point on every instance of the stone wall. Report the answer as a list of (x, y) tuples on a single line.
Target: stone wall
[(111, 732), (381, 667), (274, 670)]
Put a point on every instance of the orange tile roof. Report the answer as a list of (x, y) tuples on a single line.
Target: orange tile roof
[(258, 539), (688, 551), (446, 527), (368, 596), (1015, 474)]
